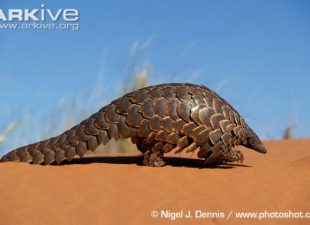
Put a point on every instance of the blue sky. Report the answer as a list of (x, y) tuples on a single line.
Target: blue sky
[(255, 54)]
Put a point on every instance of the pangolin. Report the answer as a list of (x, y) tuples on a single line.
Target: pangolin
[(158, 119)]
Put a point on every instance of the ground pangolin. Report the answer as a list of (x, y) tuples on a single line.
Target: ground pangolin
[(158, 119)]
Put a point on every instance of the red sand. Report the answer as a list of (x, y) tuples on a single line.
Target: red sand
[(106, 193)]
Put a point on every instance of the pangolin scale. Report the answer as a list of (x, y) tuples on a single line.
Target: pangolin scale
[(158, 119)]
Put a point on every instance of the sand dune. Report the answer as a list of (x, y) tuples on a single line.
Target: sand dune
[(115, 190)]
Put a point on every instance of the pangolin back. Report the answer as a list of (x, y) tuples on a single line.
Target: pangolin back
[(159, 119)]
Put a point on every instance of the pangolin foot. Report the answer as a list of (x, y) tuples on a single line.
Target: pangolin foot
[(234, 156), (153, 159)]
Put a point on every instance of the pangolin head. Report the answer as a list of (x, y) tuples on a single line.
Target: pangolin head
[(253, 142)]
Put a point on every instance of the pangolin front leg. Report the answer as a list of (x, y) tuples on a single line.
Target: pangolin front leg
[(233, 156)]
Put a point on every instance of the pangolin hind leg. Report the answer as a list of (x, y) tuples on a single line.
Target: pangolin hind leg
[(153, 158), (152, 154)]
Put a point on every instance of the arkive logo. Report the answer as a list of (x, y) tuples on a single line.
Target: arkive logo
[(41, 14)]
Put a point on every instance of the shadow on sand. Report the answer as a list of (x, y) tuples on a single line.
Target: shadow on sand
[(170, 161)]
